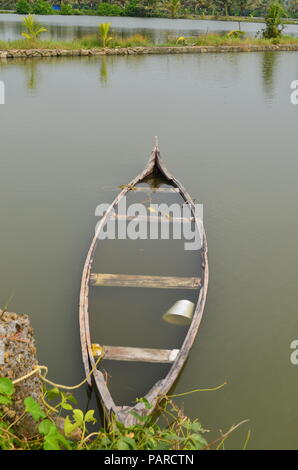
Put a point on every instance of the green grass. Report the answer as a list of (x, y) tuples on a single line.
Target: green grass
[(137, 40), (225, 40), (87, 42)]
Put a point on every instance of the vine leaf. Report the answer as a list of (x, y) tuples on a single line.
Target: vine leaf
[(34, 409)]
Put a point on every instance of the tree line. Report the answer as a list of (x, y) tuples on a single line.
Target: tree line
[(156, 8)]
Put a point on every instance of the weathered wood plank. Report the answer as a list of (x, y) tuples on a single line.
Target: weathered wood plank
[(153, 218), (160, 282), (148, 189), (120, 353)]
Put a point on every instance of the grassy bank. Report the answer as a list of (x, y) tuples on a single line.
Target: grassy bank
[(94, 42)]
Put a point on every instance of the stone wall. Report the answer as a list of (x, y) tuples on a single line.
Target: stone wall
[(24, 53), (18, 358)]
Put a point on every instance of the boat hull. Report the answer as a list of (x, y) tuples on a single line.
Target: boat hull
[(95, 376)]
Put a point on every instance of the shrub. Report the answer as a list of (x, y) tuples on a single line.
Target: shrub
[(42, 8), (107, 9), (155, 12), (66, 9), (171, 429), (104, 29), (181, 40), (173, 7), (236, 34), (134, 9), (136, 40), (33, 28), (273, 20), (23, 7)]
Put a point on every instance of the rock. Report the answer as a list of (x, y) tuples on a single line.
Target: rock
[(18, 358), (144, 50)]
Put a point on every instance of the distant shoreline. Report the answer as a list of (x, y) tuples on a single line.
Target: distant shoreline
[(234, 19)]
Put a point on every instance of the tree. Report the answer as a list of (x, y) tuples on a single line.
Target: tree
[(104, 29), (203, 6), (293, 7), (225, 6), (273, 20), (23, 7), (41, 7), (173, 7), (33, 29)]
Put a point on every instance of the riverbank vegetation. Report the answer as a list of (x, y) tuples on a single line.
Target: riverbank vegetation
[(271, 34), (137, 40), (237, 10), (60, 425), (273, 20)]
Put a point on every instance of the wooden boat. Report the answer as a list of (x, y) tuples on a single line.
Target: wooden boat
[(176, 357)]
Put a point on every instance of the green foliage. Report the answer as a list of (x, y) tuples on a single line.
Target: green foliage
[(181, 40), (233, 38), (33, 408), (236, 34), (208, 9), (94, 41), (109, 9), (273, 20), (104, 29), (6, 391), (64, 400), (134, 8), (66, 9), (173, 7), (136, 40), (23, 7), (33, 28), (78, 421), (171, 431), (41, 7), (53, 439), (174, 431)]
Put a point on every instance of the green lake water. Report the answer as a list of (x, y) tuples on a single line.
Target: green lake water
[(73, 130)]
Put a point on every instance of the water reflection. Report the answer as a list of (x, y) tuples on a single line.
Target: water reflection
[(104, 76), (31, 68), (269, 65), (10, 31), (32, 74)]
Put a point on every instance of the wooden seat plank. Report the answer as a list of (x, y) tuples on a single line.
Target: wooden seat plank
[(128, 280), (156, 190), (120, 353), (153, 218)]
